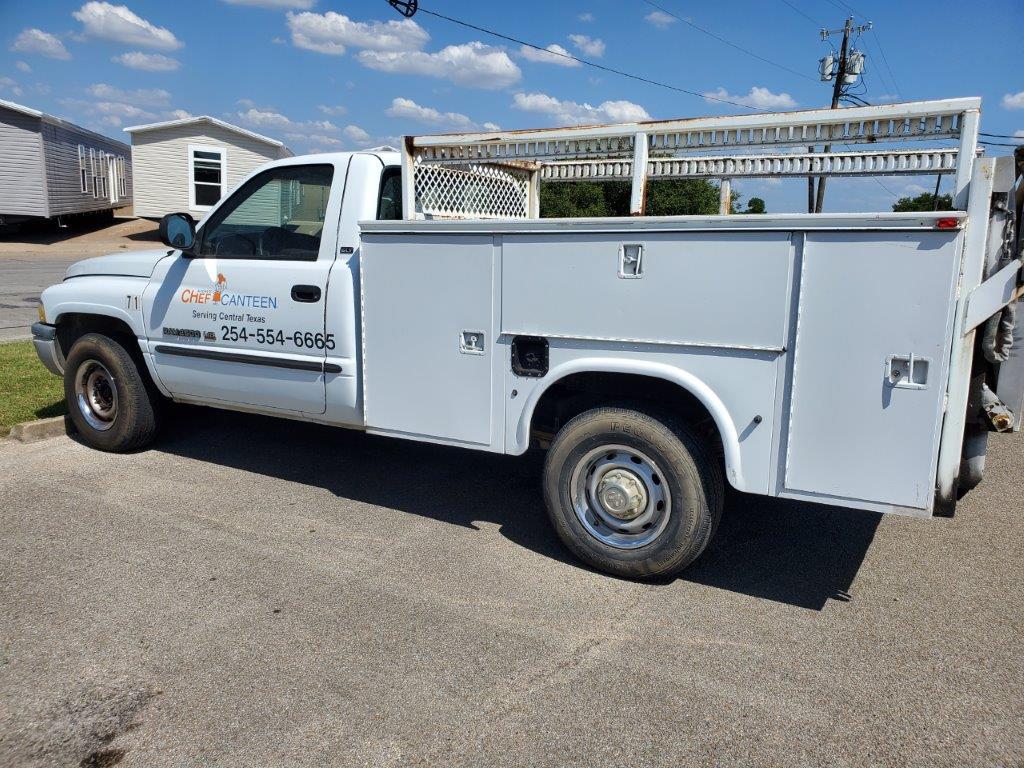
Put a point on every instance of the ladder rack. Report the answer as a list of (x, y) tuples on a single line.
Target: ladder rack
[(497, 174)]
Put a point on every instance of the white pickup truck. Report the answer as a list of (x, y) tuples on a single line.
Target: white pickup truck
[(832, 358)]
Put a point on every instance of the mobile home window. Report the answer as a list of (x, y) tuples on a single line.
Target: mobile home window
[(207, 176), (121, 182), (101, 175), (83, 174), (92, 172)]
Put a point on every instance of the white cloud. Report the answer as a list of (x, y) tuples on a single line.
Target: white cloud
[(473, 65), (575, 113), (43, 43), (23, 66), (118, 24), (586, 17), (315, 138), (409, 109), (590, 46), (759, 98), (9, 84), (309, 135), (155, 97), (301, 5), (265, 118), (180, 114), (660, 19), (335, 110), (1019, 134), (1013, 100), (332, 33), (269, 119), (147, 62), (553, 54), (355, 133)]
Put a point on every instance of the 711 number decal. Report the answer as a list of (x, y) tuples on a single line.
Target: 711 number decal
[(301, 339)]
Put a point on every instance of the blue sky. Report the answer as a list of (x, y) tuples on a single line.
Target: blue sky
[(336, 74)]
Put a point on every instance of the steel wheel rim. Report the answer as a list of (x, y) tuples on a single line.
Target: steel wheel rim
[(96, 394), (596, 501)]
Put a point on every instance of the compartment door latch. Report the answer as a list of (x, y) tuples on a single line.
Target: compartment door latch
[(907, 371), (631, 261)]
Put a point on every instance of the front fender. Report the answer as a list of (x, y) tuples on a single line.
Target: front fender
[(678, 376), (116, 297)]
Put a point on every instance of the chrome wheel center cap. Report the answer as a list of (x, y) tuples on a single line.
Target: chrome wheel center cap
[(622, 494)]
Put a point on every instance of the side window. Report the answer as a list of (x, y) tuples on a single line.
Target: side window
[(206, 176), (389, 203), (92, 172), (82, 171), (278, 214)]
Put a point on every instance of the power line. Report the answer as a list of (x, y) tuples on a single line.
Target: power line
[(1001, 135), (999, 144), (881, 49), (731, 44), (881, 73), (813, 21), (595, 65), (892, 76)]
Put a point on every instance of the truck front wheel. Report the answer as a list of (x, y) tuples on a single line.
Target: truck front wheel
[(631, 494), (107, 396)]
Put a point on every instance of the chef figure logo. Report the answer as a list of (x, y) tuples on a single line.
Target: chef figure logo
[(221, 282)]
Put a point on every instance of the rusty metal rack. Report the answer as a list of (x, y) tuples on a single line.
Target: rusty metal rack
[(497, 174)]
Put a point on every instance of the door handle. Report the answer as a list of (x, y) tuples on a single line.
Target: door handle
[(307, 293)]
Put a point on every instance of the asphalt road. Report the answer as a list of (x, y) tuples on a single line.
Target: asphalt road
[(36, 258), (260, 593)]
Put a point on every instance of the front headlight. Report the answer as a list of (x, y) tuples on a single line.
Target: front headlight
[(42, 313)]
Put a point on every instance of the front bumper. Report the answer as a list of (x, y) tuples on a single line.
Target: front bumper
[(44, 339)]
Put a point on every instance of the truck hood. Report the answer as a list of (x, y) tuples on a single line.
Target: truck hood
[(133, 264)]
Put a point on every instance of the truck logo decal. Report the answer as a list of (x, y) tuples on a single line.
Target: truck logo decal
[(218, 295)]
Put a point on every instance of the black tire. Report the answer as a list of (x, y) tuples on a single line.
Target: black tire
[(692, 480), (101, 365)]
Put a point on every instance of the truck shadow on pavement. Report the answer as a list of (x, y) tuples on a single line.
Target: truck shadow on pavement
[(796, 553)]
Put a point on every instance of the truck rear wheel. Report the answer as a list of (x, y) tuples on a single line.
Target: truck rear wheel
[(631, 494), (107, 395)]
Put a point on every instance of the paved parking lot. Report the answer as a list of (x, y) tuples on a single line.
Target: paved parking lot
[(36, 257), (260, 593)]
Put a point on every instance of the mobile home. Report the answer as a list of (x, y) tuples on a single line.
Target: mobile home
[(50, 168), (186, 166)]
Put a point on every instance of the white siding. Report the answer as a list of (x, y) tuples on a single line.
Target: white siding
[(160, 162), (22, 181)]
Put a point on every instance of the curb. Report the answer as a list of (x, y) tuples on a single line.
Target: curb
[(30, 431)]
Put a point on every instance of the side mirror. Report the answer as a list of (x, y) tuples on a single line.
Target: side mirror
[(178, 230)]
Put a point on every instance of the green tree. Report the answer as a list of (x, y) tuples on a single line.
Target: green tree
[(665, 197), (755, 205), (924, 202)]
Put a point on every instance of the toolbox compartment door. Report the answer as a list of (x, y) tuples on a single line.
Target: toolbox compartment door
[(873, 336), (429, 344)]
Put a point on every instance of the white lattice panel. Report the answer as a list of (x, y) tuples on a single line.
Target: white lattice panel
[(472, 191)]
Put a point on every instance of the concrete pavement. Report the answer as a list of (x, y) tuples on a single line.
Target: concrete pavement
[(32, 260), (253, 592)]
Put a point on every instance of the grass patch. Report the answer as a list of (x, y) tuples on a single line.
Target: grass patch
[(27, 390)]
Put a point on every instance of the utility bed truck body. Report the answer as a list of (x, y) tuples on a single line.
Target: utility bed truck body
[(820, 357)]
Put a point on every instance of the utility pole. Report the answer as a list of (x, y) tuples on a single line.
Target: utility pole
[(845, 72)]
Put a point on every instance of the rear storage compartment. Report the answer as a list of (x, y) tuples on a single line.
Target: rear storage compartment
[(826, 341)]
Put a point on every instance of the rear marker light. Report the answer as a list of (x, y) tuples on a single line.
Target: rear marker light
[(947, 223)]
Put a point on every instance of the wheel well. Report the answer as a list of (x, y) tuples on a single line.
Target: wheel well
[(579, 392), (73, 325)]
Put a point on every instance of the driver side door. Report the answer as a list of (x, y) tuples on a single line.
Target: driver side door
[(242, 320)]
